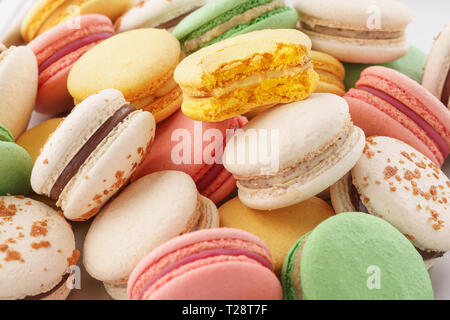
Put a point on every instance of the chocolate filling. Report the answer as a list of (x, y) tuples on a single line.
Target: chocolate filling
[(172, 23), (48, 293), (446, 90), (358, 205), (83, 154)]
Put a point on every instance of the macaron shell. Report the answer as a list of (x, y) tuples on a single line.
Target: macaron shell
[(237, 281), (279, 229), (340, 246), (15, 169), (18, 88)]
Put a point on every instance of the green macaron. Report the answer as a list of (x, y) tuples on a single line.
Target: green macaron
[(355, 256), (15, 166), (411, 65), (222, 19)]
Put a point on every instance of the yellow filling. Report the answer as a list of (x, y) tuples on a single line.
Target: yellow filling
[(270, 91)]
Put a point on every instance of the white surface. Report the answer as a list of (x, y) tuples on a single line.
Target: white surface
[(429, 18)]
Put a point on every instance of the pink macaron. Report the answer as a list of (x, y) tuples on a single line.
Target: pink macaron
[(57, 50), (213, 264), (385, 102), (190, 146)]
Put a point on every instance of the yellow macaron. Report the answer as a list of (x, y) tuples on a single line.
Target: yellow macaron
[(279, 229), (139, 63), (46, 14), (331, 73), (239, 74)]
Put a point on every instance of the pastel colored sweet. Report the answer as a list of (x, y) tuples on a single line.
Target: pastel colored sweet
[(164, 14), (436, 77), (139, 63), (222, 19), (37, 246), (46, 14), (18, 87), (149, 212), (280, 228), (262, 68), (15, 166), (211, 178), (216, 264), (361, 31), (355, 256), (34, 139), (411, 65), (293, 152), (92, 154), (57, 50), (388, 103), (331, 73), (399, 184)]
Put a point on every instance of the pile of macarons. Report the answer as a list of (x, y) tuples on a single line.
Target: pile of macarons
[(223, 150)]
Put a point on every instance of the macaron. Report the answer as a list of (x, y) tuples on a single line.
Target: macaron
[(57, 50), (92, 154), (37, 247), (18, 87), (399, 184), (15, 166), (331, 73), (139, 63), (279, 229), (33, 140), (436, 77), (46, 14), (239, 74), (355, 256), (388, 103), (293, 152), (361, 31), (149, 212), (194, 148), (215, 264), (161, 14), (222, 19), (411, 65)]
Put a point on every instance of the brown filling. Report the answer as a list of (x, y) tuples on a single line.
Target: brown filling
[(355, 34), (446, 90), (172, 23), (48, 293), (83, 154), (358, 205)]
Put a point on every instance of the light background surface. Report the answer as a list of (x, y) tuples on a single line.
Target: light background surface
[(429, 18)]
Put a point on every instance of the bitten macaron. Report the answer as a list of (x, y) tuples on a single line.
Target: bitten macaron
[(293, 152), (279, 229), (361, 31), (215, 264), (195, 148), (385, 102), (399, 184), (47, 14), (355, 256), (149, 212), (331, 73), (57, 50), (18, 87), (436, 77), (240, 74), (37, 247), (161, 14), (92, 154), (139, 63), (222, 19), (15, 166)]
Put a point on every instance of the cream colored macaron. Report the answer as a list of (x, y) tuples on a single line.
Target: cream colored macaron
[(37, 247), (149, 212)]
